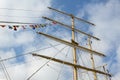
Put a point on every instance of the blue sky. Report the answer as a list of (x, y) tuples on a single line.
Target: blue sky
[(104, 13)]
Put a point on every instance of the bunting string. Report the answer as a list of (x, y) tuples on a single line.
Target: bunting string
[(32, 26)]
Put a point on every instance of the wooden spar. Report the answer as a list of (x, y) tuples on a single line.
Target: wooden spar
[(71, 44), (72, 15), (71, 64), (95, 68), (67, 26)]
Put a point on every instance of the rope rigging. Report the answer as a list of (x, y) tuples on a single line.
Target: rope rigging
[(44, 64), (5, 71), (62, 66), (55, 64), (26, 53), (80, 56), (19, 16), (21, 9)]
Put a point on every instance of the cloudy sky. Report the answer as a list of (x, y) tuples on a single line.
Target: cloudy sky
[(105, 14)]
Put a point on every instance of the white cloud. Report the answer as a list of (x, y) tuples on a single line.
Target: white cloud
[(118, 53), (107, 18), (39, 8), (10, 39), (25, 37), (7, 37)]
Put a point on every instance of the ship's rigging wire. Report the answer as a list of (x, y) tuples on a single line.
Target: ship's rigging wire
[(49, 65), (62, 52), (20, 9), (14, 65), (60, 72), (5, 71), (80, 56), (54, 47), (79, 39), (23, 55), (9, 78), (56, 65), (27, 53), (25, 10), (44, 64), (27, 61), (20, 16), (63, 64)]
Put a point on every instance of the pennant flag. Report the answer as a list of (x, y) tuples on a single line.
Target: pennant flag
[(2, 26), (10, 27), (43, 25), (15, 27), (23, 26), (36, 26), (54, 22), (32, 26)]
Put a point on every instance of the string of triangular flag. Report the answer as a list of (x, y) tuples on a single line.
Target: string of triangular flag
[(33, 26)]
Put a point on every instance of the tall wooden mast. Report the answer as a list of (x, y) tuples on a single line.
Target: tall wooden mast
[(75, 76), (92, 58)]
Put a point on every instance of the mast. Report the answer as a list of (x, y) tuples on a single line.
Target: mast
[(75, 74), (92, 58)]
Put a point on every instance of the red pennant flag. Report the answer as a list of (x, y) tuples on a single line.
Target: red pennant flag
[(15, 28), (54, 22)]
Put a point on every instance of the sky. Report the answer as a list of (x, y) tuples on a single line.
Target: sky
[(105, 14)]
